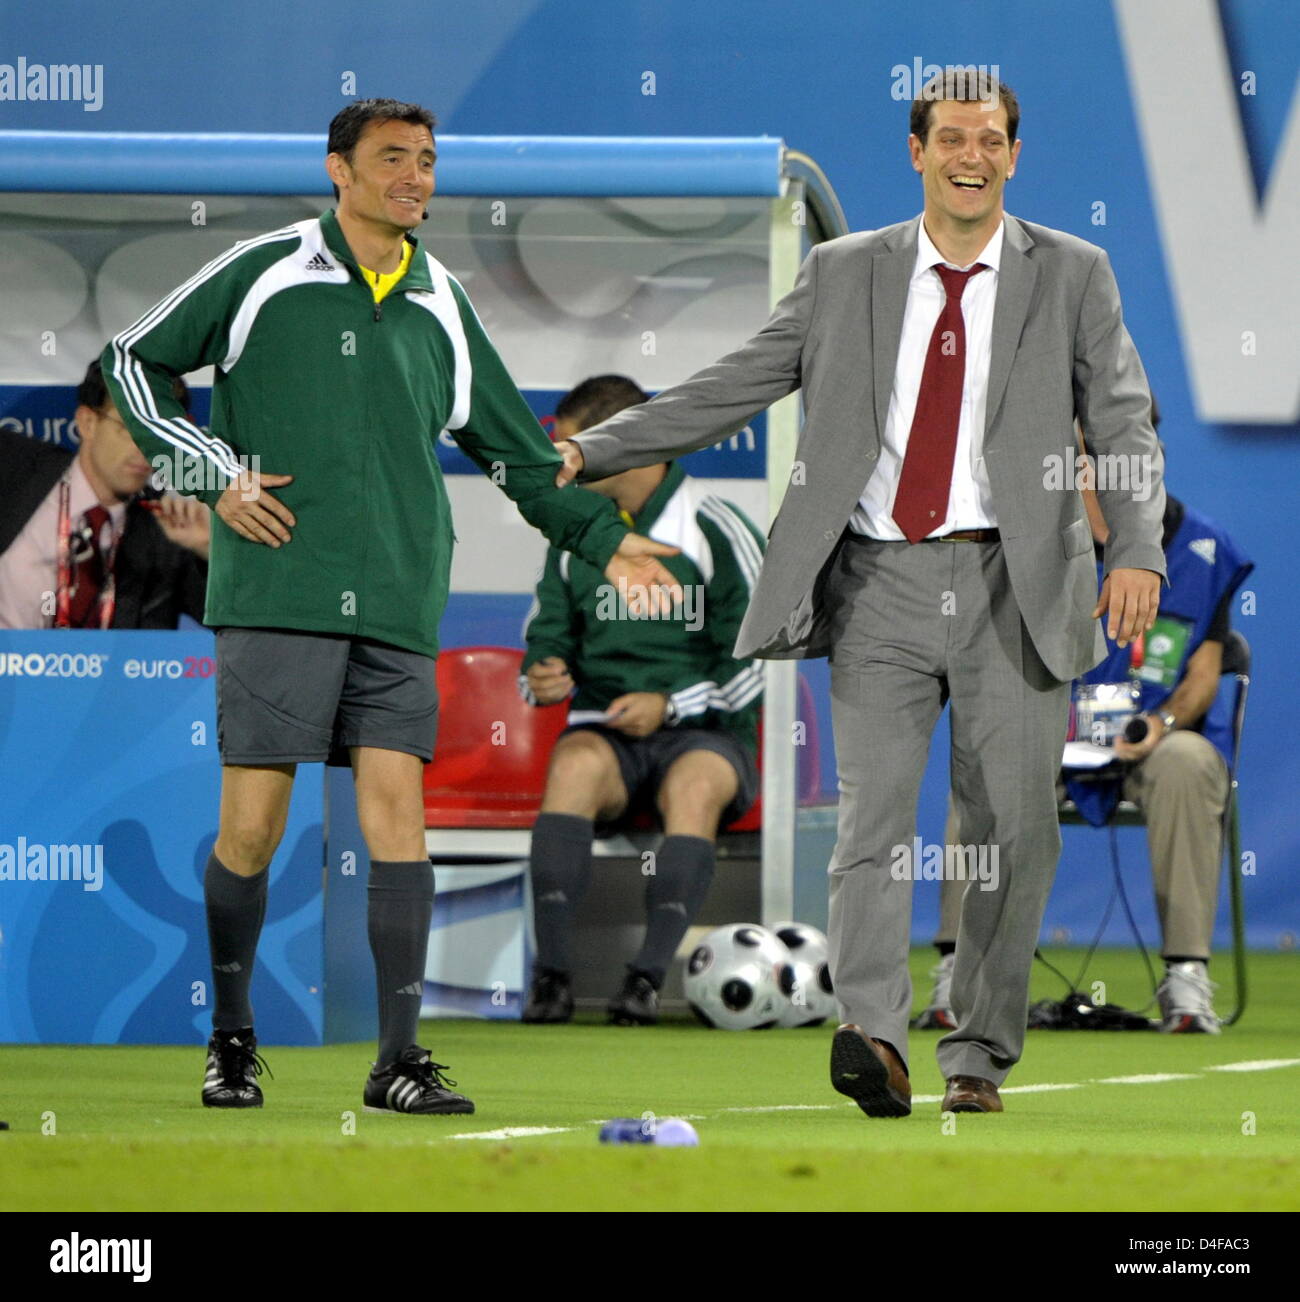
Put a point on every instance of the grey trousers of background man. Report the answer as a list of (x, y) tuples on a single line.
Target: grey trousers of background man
[(913, 627), (1181, 789)]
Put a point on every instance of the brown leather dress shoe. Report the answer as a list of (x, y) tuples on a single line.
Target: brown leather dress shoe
[(971, 1094), (870, 1073)]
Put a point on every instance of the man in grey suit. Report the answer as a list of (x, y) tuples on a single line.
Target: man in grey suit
[(930, 544)]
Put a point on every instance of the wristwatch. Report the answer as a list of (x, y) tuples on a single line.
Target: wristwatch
[(1167, 719), (670, 712)]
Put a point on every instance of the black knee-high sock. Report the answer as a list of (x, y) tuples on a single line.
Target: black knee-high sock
[(235, 907), (674, 893), (399, 899), (561, 872)]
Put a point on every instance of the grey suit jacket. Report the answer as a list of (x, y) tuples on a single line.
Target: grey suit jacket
[(1059, 349)]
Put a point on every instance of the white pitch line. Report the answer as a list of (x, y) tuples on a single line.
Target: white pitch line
[(513, 1132), (1257, 1064), (1153, 1078), (676, 1116)]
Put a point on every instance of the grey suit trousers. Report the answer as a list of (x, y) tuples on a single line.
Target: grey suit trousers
[(1181, 789), (915, 626)]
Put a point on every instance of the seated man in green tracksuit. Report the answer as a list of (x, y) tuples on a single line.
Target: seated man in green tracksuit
[(663, 718)]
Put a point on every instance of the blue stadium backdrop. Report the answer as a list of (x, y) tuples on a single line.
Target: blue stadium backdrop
[(1169, 133)]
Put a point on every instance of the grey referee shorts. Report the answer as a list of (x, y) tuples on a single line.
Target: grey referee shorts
[(643, 762), (286, 697)]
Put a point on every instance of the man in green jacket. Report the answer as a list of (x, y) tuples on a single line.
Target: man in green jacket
[(342, 350), (663, 717)]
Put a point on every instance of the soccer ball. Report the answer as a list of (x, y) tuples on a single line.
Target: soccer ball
[(812, 1000), (738, 978)]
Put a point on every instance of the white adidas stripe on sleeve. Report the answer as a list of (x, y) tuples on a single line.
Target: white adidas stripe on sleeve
[(129, 372)]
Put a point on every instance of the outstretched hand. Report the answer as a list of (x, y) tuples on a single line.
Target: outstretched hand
[(650, 589)]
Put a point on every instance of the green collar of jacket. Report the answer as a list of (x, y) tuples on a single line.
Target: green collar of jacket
[(417, 274), (655, 503)]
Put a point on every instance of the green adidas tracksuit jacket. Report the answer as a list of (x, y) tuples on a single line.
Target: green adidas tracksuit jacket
[(576, 615), (319, 382)]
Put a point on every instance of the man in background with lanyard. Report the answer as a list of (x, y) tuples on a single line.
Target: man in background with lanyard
[(82, 545)]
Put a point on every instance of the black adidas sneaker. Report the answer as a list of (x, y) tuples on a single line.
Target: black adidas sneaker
[(233, 1067), (414, 1083)]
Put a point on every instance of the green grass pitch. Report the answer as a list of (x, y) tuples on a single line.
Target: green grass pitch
[(130, 1133)]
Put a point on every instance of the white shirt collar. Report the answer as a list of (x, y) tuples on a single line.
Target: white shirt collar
[(928, 256)]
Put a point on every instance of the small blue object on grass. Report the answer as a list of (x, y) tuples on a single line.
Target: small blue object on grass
[(627, 1130), (668, 1132)]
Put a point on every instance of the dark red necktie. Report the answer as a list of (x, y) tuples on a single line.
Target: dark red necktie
[(921, 503), (87, 573)]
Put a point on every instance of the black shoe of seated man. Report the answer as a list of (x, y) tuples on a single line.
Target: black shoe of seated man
[(637, 1004), (550, 998), (233, 1066), (414, 1083)]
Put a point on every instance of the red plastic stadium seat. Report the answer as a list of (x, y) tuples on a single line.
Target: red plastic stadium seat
[(489, 768)]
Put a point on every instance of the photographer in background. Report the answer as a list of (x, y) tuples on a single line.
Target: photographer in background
[(82, 543), (1177, 774)]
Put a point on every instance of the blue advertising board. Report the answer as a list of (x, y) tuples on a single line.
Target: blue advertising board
[(108, 810)]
